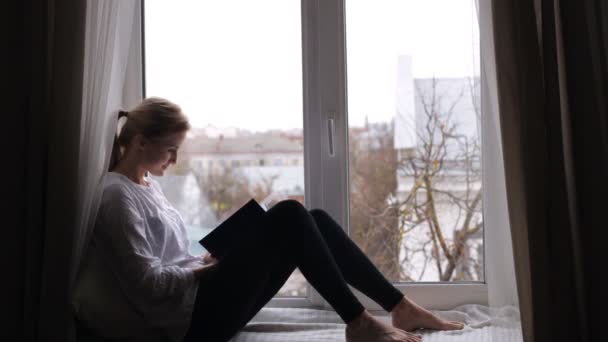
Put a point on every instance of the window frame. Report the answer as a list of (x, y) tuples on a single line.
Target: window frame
[(325, 100), (326, 158)]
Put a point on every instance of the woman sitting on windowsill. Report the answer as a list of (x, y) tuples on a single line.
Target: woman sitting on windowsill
[(199, 298)]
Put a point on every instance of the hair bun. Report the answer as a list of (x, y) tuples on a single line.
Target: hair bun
[(122, 113)]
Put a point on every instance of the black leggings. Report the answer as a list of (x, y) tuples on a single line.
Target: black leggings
[(248, 277)]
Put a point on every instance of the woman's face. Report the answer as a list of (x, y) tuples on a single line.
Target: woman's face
[(159, 154)]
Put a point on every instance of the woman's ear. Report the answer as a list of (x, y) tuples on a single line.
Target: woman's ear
[(139, 141)]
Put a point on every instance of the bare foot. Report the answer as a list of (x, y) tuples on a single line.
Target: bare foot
[(365, 328), (409, 316)]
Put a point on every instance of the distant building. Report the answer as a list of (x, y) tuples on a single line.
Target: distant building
[(258, 156)]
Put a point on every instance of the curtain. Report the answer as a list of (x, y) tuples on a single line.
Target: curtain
[(500, 271), (105, 76), (60, 39), (552, 77), (500, 268), (112, 81), (44, 69)]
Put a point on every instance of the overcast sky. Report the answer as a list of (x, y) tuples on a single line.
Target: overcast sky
[(238, 62)]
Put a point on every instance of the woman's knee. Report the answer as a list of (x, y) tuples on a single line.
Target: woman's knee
[(323, 219), (288, 207), (326, 224), (287, 215), (319, 215)]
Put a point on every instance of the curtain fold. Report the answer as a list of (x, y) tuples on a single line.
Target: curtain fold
[(551, 76), (500, 270), (583, 118), (110, 63), (63, 70), (519, 85), (42, 55)]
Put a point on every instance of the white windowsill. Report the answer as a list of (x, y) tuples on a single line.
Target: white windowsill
[(433, 296)]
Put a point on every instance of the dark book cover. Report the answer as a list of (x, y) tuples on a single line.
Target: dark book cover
[(245, 221)]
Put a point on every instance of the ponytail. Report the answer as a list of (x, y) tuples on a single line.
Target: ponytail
[(115, 156)]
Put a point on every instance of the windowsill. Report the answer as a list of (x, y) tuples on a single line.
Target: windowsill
[(433, 296)]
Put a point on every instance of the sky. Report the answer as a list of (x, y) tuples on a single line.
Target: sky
[(238, 63)]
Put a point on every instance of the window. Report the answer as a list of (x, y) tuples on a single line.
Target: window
[(388, 130), (226, 82), (416, 90)]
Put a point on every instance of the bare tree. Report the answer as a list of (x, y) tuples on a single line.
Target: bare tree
[(446, 177), (438, 217)]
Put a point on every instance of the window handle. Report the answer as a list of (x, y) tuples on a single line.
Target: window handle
[(331, 132)]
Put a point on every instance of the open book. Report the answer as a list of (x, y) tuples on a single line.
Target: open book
[(249, 219)]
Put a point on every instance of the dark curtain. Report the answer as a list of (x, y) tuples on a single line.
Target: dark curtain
[(42, 87), (552, 82)]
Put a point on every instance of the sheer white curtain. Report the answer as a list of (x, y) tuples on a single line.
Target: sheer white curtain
[(112, 81), (500, 273), (500, 269)]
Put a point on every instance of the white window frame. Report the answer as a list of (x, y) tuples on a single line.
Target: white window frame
[(326, 175), (326, 151)]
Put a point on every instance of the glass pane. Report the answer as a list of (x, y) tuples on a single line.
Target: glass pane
[(414, 137), (235, 68)]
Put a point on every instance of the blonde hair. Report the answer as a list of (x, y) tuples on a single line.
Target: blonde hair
[(153, 118)]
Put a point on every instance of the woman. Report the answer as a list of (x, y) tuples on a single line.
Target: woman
[(199, 298)]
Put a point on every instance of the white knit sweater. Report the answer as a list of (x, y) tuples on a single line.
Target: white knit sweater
[(143, 240)]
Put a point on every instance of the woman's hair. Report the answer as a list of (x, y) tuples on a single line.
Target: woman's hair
[(153, 118)]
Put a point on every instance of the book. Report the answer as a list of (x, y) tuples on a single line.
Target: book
[(235, 229)]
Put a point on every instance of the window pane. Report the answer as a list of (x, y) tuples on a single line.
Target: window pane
[(235, 68), (414, 137)]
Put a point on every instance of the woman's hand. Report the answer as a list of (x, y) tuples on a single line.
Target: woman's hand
[(202, 271), (210, 263), (209, 259)]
